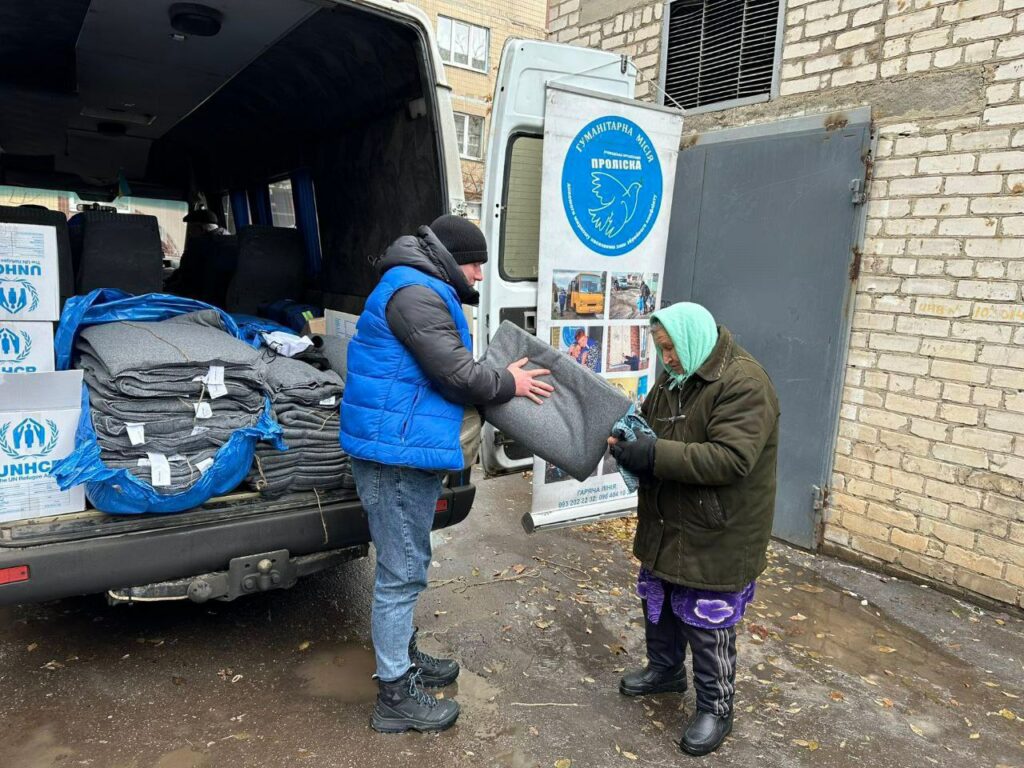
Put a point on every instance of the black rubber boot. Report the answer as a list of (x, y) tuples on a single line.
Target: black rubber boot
[(435, 673), (649, 680), (403, 705), (666, 649), (705, 733)]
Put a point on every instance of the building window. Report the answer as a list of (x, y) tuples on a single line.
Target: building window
[(470, 131), (463, 44), (282, 205), (719, 52)]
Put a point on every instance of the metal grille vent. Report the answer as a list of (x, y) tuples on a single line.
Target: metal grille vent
[(720, 50)]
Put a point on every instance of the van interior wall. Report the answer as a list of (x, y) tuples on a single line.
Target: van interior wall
[(380, 181)]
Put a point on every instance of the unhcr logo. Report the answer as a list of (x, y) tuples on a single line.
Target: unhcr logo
[(15, 346), (28, 439), (18, 296)]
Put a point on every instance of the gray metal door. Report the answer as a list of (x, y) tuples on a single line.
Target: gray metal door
[(765, 224)]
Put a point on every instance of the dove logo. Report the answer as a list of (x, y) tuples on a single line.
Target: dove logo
[(612, 185)]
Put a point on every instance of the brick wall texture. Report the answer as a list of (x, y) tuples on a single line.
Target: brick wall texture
[(930, 455)]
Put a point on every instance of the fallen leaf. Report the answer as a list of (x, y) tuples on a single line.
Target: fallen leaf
[(304, 645), (617, 649), (563, 763), (990, 684), (811, 745), (32, 647), (629, 756), (810, 588), (587, 680), (885, 649), (1007, 714), (836, 696), (917, 730), (869, 681), (1009, 695), (886, 703), (798, 617), (541, 624), (518, 568), (476, 572), (535, 732), (975, 736), (1000, 622), (794, 710)]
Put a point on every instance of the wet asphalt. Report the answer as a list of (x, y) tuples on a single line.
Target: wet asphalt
[(837, 667)]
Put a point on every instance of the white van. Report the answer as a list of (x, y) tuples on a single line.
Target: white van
[(347, 101)]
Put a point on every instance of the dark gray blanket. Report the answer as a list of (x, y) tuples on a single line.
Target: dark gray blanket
[(571, 428)]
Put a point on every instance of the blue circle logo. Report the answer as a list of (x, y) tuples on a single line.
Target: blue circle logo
[(611, 185)]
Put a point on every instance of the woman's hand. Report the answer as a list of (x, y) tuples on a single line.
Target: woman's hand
[(637, 456)]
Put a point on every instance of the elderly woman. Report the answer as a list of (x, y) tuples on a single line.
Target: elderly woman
[(707, 498)]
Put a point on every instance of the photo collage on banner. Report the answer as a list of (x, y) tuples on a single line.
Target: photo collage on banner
[(609, 167)]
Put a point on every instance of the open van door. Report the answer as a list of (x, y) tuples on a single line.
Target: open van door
[(510, 215)]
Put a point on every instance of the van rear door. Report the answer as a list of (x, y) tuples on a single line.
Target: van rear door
[(510, 216)]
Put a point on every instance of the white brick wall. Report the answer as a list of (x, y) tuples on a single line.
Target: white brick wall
[(929, 471)]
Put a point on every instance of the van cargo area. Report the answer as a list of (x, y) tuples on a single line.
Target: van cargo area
[(159, 100)]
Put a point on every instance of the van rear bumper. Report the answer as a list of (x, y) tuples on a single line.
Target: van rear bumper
[(95, 565)]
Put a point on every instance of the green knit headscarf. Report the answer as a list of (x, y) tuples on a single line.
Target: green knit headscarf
[(694, 334)]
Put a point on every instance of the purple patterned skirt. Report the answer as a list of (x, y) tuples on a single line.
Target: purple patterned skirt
[(696, 607)]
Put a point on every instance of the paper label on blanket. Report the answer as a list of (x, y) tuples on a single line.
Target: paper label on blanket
[(159, 469), (198, 430), (136, 433), (606, 196), (203, 410), (329, 401), (204, 465), (217, 390)]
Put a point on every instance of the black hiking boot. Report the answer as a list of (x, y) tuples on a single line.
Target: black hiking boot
[(705, 733), (436, 673), (647, 681), (403, 706)]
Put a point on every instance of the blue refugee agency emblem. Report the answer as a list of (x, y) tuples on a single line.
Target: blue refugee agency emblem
[(14, 345), (28, 438), (612, 185), (17, 296)]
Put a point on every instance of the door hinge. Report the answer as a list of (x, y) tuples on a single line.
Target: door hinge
[(857, 188), (820, 496)]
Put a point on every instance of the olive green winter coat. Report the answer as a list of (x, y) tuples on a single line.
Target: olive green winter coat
[(706, 517)]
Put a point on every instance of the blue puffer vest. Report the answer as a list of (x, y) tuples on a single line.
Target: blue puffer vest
[(390, 412)]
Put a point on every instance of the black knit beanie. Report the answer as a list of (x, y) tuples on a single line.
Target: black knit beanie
[(463, 239)]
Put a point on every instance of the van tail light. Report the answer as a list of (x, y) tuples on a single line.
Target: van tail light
[(442, 505), (13, 574)]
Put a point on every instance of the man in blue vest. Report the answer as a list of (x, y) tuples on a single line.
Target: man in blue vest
[(411, 374)]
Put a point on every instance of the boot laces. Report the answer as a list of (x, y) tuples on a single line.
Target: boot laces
[(419, 657), (417, 692)]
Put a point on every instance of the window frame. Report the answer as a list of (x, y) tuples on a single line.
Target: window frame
[(470, 26), (505, 276), (464, 150), (773, 93)]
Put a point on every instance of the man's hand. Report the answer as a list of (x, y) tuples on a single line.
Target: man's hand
[(527, 384), (636, 456)]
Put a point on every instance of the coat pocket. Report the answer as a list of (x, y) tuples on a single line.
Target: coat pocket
[(711, 507), (410, 412)]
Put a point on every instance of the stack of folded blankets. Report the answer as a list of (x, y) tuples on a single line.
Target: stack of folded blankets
[(306, 403), (165, 396)]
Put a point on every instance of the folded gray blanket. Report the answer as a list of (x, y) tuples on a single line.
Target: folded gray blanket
[(293, 381), (571, 428)]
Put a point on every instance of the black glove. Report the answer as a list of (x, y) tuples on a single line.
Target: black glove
[(637, 456)]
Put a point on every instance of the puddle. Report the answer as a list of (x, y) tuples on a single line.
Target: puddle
[(829, 626), (473, 692), (39, 750), (182, 758), (344, 673)]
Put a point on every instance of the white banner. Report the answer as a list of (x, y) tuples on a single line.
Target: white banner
[(606, 197)]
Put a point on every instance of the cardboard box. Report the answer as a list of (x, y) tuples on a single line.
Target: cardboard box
[(38, 418), (29, 273), (26, 347), (315, 327)]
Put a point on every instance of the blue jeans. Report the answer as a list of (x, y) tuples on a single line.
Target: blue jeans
[(400, 504)]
